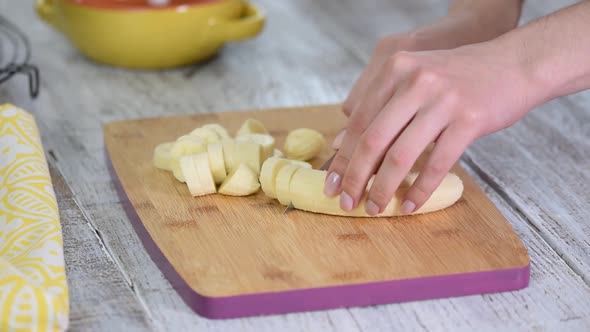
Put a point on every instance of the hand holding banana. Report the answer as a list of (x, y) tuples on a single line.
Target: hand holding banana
[(451, 97), (404, 101)]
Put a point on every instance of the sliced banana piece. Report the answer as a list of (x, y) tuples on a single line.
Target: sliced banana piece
[(278, 153), (242, 181), (229, 153), (162, 157), (304, 144), (267, 143), (176, 171), (306, 192), (208, 134), (299, 163), (216, 162), (219, 129), (268, 174), (251, 126), (283, 181), (197, 173), (248, 153), (187, 145)]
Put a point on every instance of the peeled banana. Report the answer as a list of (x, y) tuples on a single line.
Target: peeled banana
[(270, 169), (229, 151), (187, 145), (242, 181), (300, 163), (197, 173), (216, 162), (248, 153), (303, 144), (268, 174), (162, 158), (278, 153), (306, 192), (251, 126), (283, 181), (209, 135), (176, 171), (219, 129), (267, 143)]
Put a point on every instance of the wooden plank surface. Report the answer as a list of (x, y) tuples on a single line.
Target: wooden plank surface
[(100, 296), (225, 246), (305, 56)]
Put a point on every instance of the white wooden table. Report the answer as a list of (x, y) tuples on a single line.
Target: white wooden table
[(537, 172)]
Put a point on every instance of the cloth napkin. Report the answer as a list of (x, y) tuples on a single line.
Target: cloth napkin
[(33, 287)]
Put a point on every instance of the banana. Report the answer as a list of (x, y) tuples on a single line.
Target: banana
[(248, 153), (299, 163), (278, 153), (270, 169), (303, 144), (268, 174), (176, 171), (162, 158), (209, 135), (282, 183), (187, 145), (197, 173), (306, 192), (229, 153), (219, 129), (267, 143), (216, 162), (242, 181), (251, 126)]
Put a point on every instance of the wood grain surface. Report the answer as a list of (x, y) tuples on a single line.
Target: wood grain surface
[(310, 53), (227, 246)]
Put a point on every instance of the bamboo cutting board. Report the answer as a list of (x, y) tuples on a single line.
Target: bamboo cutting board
[(232, 257)]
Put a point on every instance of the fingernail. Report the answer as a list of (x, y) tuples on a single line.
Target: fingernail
[(332, 184), (371, 208), (338, 140), (408, 207), (346, 201)]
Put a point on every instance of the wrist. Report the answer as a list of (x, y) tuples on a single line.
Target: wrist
[(538, 70), (523, 73), (468, 24)]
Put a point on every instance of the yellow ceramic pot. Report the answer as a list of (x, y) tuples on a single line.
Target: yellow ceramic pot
[(135, 34)]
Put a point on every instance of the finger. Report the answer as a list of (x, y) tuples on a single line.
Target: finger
[(451, 144), (338, 140), (374, 143), (382, 89), (402, 155)]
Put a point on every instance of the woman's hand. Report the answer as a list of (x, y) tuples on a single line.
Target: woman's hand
[(411, 99), (385, 48), (467, 22)]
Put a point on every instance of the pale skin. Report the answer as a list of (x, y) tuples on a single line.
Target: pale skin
[(465, 76)]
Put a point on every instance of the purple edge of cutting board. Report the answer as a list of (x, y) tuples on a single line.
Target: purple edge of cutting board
[(321, 298)]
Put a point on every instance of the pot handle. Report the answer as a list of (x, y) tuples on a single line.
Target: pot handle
[(244, 27), (46, 10)]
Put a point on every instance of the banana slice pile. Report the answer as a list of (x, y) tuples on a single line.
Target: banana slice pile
[(210, 161)]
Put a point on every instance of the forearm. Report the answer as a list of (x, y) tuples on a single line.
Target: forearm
[(552, 52), (469, 22)]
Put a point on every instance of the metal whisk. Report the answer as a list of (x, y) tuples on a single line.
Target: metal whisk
[(15, 54)]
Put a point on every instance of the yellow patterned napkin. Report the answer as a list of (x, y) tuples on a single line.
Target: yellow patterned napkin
[(33, 288)]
